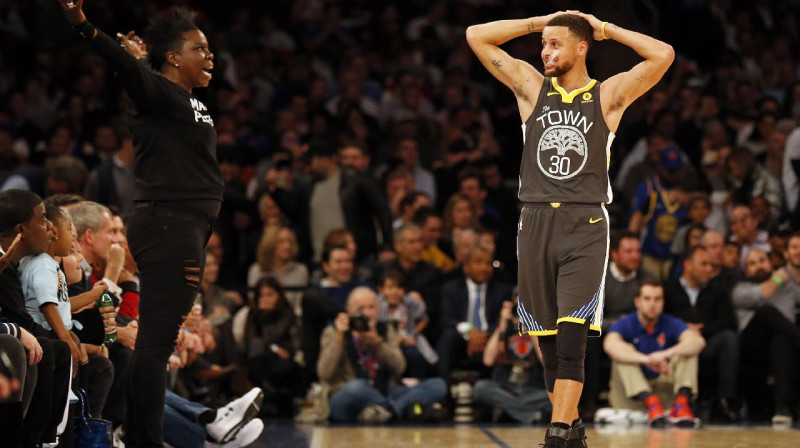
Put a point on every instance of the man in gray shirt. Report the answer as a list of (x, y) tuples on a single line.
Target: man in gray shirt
[(766, 304)]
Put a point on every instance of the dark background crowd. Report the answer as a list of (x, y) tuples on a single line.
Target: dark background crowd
[(363, 144)]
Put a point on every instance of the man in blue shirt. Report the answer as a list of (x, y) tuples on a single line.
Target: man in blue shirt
[(654, 357)]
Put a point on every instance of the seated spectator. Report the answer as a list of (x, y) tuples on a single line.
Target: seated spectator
[(708, 309), (276, 257), (475, 300), (361, 366), (323, 303), (745, 232), (421, 277), (48, 302), (458, 215), (262, 333), (766, 305), (721, 276), (22, 212), (217, 303), (732, 255), (407, 313), (659, 209), (751, 180), (409, 205), (430, 223), (191, 425), (654, 360), (517, 384), (624, 275), (697, 211)]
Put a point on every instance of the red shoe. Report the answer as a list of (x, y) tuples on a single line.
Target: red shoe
[(656, 416), (681, 413)]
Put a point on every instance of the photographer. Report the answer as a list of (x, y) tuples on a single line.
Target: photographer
[(517, 384), (360, 361)]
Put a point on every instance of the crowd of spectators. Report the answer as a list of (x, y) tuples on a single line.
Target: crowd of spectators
[(364, 257)]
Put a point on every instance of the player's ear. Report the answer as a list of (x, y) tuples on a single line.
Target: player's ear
[(583, 48)]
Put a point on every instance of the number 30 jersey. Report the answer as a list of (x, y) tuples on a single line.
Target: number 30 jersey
[(567, 147)]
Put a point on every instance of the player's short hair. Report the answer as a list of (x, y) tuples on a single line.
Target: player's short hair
[(577, 25), (165, 34)]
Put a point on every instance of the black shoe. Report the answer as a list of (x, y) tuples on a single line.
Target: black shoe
[(556, 437), (577, 435)]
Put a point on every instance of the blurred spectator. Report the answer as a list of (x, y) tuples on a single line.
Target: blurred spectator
[(111, 183), (362, 367), (721, 276), (745, 232), (476, 301), (459, 214), (310, 207), (750, 181), (354, 156), (421, 277), (406, 312), (409, 205), (659, 209), (517, 384), (217, 303), (708, 309), (275, 257), (262, 333), (654, 360), (406, 157), (766, 305), (430, 223), (61, 174)]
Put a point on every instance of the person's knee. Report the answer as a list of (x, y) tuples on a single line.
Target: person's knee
[(353, 386), (571, 346), (549, 349), (436, 386)]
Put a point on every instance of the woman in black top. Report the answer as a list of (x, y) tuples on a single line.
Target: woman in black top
[(178, 192)]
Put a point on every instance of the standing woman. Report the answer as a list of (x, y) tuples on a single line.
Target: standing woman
[(178, 192)]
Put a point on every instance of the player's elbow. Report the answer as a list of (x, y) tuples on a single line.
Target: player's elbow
[(473, 33), (666, 54)]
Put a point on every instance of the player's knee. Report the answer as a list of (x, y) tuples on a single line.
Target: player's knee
[(571, 350)]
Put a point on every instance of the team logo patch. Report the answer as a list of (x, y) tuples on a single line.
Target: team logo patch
[(562, 152), (587, 97)]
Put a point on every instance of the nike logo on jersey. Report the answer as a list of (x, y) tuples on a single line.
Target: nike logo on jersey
[(594, 220)]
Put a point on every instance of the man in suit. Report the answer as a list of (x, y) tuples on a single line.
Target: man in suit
[(312, 207), (708, 309), (476, 300)]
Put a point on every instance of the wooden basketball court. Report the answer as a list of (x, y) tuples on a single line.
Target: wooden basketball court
[(476, 436)]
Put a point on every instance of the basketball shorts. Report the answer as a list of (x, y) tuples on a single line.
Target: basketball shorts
[(563, 254)]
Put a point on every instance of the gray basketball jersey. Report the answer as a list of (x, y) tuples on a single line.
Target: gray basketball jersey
[(567, 147)]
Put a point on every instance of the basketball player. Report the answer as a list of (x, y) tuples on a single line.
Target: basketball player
[(568, 121), (178, 193)]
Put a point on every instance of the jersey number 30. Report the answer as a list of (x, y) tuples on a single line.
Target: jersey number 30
[(559, 165)]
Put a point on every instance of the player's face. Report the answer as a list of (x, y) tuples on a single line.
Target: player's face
[(650, 302), (793, 252), (559, 50), (195, 59)]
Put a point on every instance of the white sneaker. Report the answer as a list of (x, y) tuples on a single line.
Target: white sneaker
[(247, 434), (235, 415)]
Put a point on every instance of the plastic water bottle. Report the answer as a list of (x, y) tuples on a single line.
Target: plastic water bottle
[(105, 299)]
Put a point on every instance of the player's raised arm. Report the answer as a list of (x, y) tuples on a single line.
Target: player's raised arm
[(519, 76), (624, 88)]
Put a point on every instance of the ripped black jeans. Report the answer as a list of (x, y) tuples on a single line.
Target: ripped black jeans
[(168, 245)]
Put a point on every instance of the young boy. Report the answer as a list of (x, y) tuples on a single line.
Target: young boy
[(45, 286), (407, 311)]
